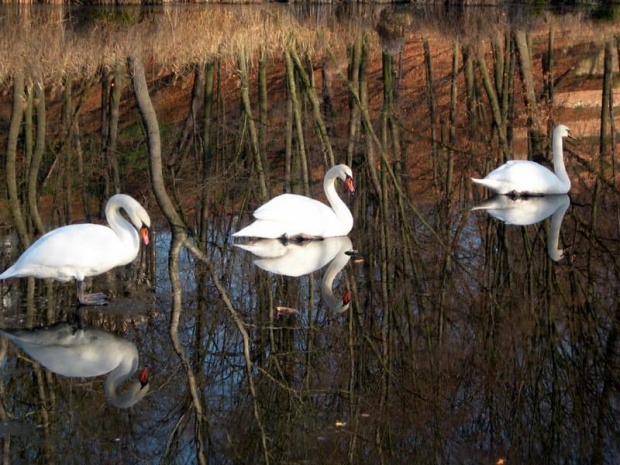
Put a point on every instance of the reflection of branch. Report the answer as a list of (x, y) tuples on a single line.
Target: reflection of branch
[(246, 338), (386, 164)]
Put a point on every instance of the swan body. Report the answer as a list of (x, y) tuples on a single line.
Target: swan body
[(81, 250), (524, 177), (301, 258), (292, 216), (73, 351), (524, 211)]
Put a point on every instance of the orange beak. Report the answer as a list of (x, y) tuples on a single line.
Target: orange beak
[(144, 376), (144, 235), (350, 185), (346, 298)]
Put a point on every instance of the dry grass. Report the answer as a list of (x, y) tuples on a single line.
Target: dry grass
[(42, 42)]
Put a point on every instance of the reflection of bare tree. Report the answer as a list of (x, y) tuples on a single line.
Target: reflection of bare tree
[(181, 240), (463, 342)]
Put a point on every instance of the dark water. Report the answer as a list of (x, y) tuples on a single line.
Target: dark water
[(466, 339)]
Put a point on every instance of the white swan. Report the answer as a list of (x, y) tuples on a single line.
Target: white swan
[(525, 211), (299, 259), (80, 250), (73, 351), (524, 177), (291, 216)]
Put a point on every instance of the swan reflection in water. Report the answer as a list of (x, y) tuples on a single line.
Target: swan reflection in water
[(300, 258), (82, 351), (523, 211)]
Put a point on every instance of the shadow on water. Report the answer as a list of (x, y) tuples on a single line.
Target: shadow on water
[(455, 336)]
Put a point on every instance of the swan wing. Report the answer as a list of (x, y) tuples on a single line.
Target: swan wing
[(73, 251), (68, 351), (291, 215), (293, 208), (523, 176), (302, 259)]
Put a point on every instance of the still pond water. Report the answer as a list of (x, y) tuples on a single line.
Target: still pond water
[(446, 328)]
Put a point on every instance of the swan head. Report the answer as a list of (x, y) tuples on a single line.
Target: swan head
[(133, 393), (135, 212), (344, 173), (562, 131)]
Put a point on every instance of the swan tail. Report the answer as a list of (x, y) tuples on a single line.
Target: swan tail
[(9, 273), (260, 229), (492, 184)]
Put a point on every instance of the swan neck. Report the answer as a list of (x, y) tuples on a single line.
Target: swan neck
[(558, 160), (133, 393), (337, 204), (120, 225), (336, 265), (553, 239)]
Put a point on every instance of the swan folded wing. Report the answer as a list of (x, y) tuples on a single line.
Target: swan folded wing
[(73, 251), (297, 213), (523, 176)]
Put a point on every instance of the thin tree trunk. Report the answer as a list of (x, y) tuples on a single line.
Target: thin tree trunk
[(66, 153), (316, 108), (605, 105), (495, 109), (151, 126), (115, 112), (80, 170), (207, 148), (527, 75), (17, 116), (247, 108), (263, 105), (355, 55), (301, 145), (548, 65), (288, 148), (430, 96), (37, 156)]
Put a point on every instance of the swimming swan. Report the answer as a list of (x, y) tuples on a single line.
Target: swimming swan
[(81, 352), (524, 177), (292, 216), (80, 250)]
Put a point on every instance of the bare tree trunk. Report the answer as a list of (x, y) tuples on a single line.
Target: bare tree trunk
[(495, 108), (175, 318), (527, 75), (37, 156), (247, 108), (548, 65), (17, 116), (151, 126), (105, 135), (66, 153), (263, 104), (606, 105), (316, 109), (28, 125), (355, 56), (301, 145), (206, 148), (115, 112), (430, 97), (470, 87), (288, 150), (80, 169)]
